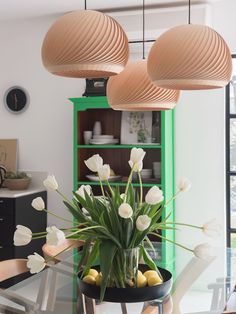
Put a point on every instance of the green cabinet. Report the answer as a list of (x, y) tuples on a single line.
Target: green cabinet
[(87, 110)]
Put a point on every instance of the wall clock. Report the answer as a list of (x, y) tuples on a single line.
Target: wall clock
[(16, 99)]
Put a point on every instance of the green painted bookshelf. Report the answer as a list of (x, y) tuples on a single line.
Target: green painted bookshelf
[(87, 110)]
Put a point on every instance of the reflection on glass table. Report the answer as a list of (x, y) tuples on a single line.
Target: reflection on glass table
[(200, 286)]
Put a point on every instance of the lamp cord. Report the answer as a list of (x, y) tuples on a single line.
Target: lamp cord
[(143, 29), (189, 11), (85, 4)]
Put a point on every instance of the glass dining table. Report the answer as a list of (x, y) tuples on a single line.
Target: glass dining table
[(199, 286)]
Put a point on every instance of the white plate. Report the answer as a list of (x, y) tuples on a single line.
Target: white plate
[(104, 141), (96, 137), (96, 179), (143, 144)]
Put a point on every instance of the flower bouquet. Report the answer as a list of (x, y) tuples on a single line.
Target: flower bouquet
[(114, 227)]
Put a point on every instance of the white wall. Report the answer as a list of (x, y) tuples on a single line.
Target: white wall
[(45, 130)]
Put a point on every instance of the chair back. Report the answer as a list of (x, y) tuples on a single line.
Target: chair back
[(12, 267), (50, 251)]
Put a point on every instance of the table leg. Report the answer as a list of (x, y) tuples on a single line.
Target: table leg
[(89, 305), (123, 308)]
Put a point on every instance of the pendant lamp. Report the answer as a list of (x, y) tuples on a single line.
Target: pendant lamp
[(190, 57), (85, 44), (132, 89)]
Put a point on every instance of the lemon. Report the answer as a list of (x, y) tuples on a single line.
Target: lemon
[(92, 272), (149, 273), (99, 279), (141, 281), (139, 272), (154, 280), (89, 279)]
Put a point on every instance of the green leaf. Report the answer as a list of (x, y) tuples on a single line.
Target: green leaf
[(75, 212), (84, 255), (107, 253), (147, 259), (92, 257)]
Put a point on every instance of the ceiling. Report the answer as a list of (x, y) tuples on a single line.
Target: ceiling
[(14, 9)]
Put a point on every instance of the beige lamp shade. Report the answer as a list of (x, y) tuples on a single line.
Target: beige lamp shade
[(85, 44), (132, 90), (190, 57)]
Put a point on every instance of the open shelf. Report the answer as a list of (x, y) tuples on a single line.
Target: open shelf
[(121, 146), (118, 184)]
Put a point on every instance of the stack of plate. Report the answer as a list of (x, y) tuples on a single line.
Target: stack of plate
[(103, 139), (157, 169), (146, 173)]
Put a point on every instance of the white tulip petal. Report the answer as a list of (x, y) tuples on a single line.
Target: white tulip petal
[(94, 163), (143, 222), (38, 204), (154, 196), (51, 183), (125, 211)]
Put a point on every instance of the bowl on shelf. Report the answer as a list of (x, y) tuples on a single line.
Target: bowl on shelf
[(95, 178), (17, 184)]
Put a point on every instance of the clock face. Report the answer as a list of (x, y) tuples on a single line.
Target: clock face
[(16, 99)]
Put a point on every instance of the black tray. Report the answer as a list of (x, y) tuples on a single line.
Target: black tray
[(129, 295)]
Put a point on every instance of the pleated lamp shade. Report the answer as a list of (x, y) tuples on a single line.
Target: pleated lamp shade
[(85, 44), (132, 90), (190, 57)]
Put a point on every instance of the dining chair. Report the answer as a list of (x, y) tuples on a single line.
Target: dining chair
[(9, 269)]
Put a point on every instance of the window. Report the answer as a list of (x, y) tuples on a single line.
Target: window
[(231, 158)]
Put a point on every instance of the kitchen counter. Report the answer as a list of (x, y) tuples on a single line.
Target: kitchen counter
[(35, 186), (4, 192)]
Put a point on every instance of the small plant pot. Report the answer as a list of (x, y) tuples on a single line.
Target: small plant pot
[(129, 295), (17, 184)]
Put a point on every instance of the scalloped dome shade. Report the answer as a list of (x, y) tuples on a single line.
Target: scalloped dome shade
[(85, 44), (132, 90), (190, 57)]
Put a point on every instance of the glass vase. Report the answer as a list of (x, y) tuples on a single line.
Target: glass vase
[(124, 268)]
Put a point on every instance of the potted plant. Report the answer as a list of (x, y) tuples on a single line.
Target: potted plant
[(16, 181), (115, 229)]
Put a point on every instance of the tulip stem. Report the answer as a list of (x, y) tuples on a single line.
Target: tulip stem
[(141, 188), (102, 189), (112, 192), (128, 182), (180, 224), (172, 198), (51, 258), (168, 240), (59, 217), (64, 197)]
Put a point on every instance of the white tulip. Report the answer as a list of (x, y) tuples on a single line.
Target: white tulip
[(94, 163), (154, 196), (35, 263), (55, 236), (184, 185), (83, 188), (137, 167), (38, 204), (22, 235), (137, 155), (104, 172), (212, 228), (51, 183), (125, 210), (143, 222), (122, 196), (204, 251)]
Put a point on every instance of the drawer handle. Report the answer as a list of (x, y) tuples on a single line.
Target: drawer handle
[(1, 219), (1, 201)]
